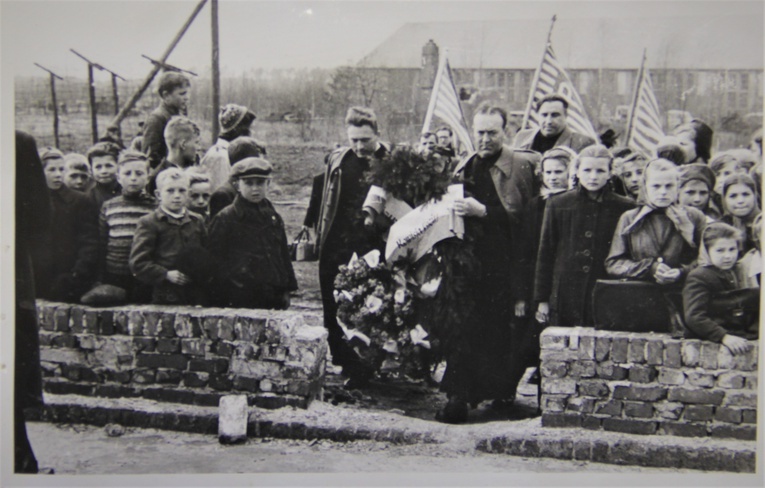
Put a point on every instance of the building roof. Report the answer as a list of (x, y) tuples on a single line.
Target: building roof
[(688, 42)]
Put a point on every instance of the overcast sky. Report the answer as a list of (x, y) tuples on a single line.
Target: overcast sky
[(259, 34)]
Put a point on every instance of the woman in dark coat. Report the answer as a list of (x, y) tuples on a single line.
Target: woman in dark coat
[(33, 214)]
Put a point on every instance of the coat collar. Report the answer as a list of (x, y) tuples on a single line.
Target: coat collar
[(503, 164)]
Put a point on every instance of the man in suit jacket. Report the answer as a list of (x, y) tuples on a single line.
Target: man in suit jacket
[(553, 130)]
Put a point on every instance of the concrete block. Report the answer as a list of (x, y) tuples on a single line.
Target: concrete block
[(683, 429), (135, 322), (187, 326), (169, 376), (612, 408), (561, 420), (630, 426), (268, 369), (63, 339), (226, 327), (724, 358), (654, 352), (748, 416), (750, 381), (65, 356), (636, 350), (168, 345), (593, 388), (173, 361), (602, 348), (581, 405), (554, 403), (216, 366), (695, 396), (730, 415), (701, 378), (746, 361), (194, 347), (61, 319), (668, 410), (640, 393), (740, 400), (591, 422), (554, 369), (144, 344), (638, 410), (554, 338), (673, 354), (250, 329), (86, 341), (582, 369), (691, 353), (195, 379), (743, 432), (609, 371), (246, 383), (670, 376), (709, 351), (698, 413), (586, 347), (619, 349), (144, 376), (731, 380), (642, 374), (121, 322), (566, 386)]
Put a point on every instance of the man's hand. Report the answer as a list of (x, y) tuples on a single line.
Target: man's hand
[(469, 207), (737, 345), (665, 275), (543, 312), (178, 278), (520, 308)]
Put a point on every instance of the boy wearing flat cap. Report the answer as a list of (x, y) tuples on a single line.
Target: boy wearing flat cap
[(249, 237)]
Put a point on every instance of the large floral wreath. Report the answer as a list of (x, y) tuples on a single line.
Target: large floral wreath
[(402, 317)]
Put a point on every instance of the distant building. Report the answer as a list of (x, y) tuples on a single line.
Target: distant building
[(709, 66)]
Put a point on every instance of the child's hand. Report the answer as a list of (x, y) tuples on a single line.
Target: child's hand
[(737, 345), (520, 308), (665, 275), (469, 207), (178, 278), (543, 312)]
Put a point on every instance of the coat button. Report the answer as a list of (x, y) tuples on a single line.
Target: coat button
[(588, 234), (586, 269), (586, 252)]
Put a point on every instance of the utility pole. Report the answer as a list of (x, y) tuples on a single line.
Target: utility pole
[(53, 77), (115, 93), (134, 99), (215, 70)]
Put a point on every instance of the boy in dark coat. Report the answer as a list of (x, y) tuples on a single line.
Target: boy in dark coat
[(249, 237), (103, 158), (174, 90), (67, 264), (240, 148), (163, 241), (576, 235)]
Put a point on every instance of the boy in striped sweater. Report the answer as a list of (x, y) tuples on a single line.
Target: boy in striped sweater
[(118, 221)]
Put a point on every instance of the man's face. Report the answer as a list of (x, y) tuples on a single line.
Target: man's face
[(104, 169), (173, 195), (593, 173), (76, 179), (444, 139), (685, 139), (489, 134), (661, 188), (552, 118), (695, 193), (54, 173), (427, 144), (133, 177), (253, 189), (363, 140), (178, 98)]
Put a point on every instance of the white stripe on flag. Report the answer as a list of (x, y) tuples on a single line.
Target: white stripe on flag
[(646, 128), (445, 104)]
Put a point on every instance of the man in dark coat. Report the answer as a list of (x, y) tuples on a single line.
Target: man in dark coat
[(341, 228), (33, 214), (498, 185), (553, 130)]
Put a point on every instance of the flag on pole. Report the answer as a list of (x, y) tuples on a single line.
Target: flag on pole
[(644, 128), (552, 78), (445, 105)]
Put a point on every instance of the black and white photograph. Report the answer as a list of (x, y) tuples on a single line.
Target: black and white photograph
[(381, 242)]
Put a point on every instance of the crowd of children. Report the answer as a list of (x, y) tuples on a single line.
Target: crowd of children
[(166, 229)]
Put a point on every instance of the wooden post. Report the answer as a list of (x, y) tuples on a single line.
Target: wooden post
[(53, 77), (215, 70), (93, 108), (91, 65), (155, 69), (55, 107), (115, 94)]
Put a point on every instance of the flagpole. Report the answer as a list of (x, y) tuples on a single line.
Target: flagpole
[(536, 76), (433, 92), (630, 120)]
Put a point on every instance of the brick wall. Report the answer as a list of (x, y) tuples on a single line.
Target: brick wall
[(646, 384), (182, 354)]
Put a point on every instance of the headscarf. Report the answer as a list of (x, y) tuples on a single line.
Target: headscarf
[(741, 179), (677, 214), (562, 154)]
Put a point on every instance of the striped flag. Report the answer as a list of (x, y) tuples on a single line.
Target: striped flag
[(644, 128), (445, 104), (552, 78)]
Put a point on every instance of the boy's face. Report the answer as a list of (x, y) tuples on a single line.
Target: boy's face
[(199, 195), (727, 169), (632, 175), (723, 253), (54, 173), (740, 200), (133, 177), (178, 98), (253, 189), (189, 149), (76, 179), (661, 188), (104, 169), (695, 193), (554, 174), (593, 173), (173, 195)]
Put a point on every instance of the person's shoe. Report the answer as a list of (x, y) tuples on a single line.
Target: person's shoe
[(455, 412), (502, 405), (46, 471)]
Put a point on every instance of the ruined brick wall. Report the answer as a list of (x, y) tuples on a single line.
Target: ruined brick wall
[(646, 384), (182, 354)]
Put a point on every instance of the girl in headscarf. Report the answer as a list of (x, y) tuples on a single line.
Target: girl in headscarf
[(697, 182), (718, 272), (740, 206), (657, 241), (695, 138)]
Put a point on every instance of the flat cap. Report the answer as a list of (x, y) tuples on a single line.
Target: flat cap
[(252, 168)]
